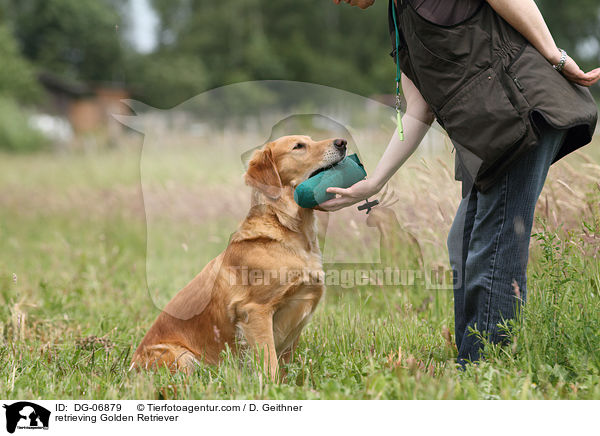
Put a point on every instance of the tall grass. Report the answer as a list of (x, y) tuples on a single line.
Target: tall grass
[(74, 301)]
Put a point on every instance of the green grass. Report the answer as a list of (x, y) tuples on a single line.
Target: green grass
[(74, 304)]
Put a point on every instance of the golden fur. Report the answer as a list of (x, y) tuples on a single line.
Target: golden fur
[(223, 304)]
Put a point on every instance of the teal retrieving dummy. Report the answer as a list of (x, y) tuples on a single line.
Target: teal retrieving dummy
[(343, 174)]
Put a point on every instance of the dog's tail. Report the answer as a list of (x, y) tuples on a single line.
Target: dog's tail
[(173, 357)]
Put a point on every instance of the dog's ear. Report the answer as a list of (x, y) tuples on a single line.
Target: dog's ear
[(262, 174)]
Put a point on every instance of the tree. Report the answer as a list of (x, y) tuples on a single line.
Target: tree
[(78, 39), (312, 40), (17, 76), (165, 79)]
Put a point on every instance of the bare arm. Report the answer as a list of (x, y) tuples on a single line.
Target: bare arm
[(526, 18), (416, 121)]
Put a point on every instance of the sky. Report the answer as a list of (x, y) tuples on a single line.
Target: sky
[(144, 22)]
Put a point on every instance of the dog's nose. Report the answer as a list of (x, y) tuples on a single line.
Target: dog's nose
[(340, 144)]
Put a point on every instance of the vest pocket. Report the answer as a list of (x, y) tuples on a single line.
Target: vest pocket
[(481, 118), (547, 91)]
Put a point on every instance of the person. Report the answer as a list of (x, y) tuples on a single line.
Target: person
[(512, 104)]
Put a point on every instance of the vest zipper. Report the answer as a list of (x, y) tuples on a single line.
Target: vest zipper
[(512, 62), (518, 83)]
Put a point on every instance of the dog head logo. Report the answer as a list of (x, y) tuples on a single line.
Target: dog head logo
[(26, 415)]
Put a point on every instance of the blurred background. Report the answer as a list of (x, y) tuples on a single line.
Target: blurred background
[(66, 63)]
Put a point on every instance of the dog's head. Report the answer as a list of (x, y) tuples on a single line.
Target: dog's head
[(290, 160)]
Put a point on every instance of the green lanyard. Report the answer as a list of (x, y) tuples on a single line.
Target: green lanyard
[(398, 115)]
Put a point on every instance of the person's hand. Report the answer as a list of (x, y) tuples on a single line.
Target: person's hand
[(574, 74), (348, 196), (363, 4)]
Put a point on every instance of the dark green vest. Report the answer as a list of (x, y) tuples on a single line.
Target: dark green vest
[(489, 89)]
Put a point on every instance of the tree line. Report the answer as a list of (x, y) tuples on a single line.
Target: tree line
[(205, 44)]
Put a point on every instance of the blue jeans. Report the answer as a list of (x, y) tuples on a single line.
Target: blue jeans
[(488, 246)]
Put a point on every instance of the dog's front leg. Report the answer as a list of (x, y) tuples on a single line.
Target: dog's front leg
[(257, 326), (288, 354)]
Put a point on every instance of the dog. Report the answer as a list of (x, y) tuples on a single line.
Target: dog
[(262, 290)]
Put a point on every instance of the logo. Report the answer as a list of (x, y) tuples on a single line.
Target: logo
[(26, 415)]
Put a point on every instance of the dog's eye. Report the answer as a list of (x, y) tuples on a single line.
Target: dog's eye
[(299, 145)]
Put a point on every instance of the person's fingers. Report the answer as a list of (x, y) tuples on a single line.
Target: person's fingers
[(337, 203), (572, 75), (329, 204), (585, 79), (575, 74), (340, 191), (329, 208), (592, 77), (576, 79), (325, 206), (595, 71)]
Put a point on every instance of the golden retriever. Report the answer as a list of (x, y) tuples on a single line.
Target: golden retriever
[(261, 291)]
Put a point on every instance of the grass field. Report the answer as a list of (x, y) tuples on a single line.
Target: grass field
[(74, 297)]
